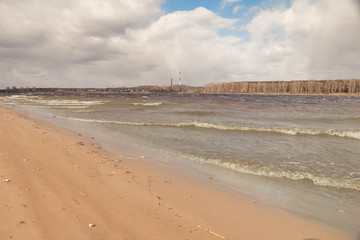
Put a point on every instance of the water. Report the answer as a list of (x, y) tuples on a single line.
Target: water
[(298, 153)]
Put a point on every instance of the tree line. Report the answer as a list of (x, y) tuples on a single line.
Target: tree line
[(351, 86), (14, 89)]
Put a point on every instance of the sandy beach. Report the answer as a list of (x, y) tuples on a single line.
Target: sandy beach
[(57, 184)]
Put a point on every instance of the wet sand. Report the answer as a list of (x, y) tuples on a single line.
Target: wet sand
[(56, 184)]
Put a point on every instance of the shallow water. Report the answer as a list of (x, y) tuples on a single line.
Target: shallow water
[(300, 153)]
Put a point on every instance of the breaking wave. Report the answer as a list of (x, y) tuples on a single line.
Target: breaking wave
[(69, 103), (147, 104), (267, 171), (354, 134), (54, 103)]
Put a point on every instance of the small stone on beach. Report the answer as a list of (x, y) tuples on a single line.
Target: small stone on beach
[(92, 225), (6, 180)]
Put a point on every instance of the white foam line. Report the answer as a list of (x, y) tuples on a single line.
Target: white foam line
[(345, 133)]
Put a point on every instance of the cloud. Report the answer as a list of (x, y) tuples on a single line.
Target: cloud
[(62, 37), (313, 39), (126, 43), (187, 42), (225, 3), (236, 9), (107, 43)]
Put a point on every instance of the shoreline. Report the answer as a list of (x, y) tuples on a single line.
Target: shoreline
[(59, 183), (96, 94)]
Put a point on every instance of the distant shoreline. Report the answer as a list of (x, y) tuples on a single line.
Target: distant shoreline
[(349, 87), (79, 93)]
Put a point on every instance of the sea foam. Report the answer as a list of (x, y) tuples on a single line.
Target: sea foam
[(266, 171), (354, 134)]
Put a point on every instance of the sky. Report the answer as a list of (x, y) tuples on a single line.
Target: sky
[(116, 43)]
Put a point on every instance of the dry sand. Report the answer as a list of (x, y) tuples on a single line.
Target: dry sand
[(54, 183)]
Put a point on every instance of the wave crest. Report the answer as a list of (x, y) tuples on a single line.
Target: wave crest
[(354, 134), (51, 103), (147, 104), (266, 171)]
